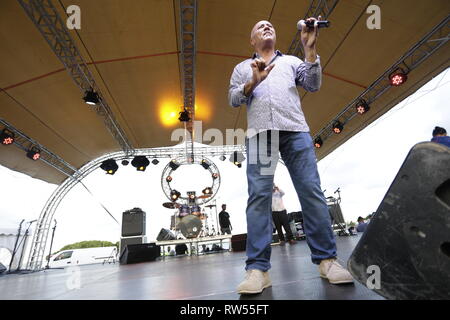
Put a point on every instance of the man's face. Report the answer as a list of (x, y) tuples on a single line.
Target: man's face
[(224, 207), (263, 31)]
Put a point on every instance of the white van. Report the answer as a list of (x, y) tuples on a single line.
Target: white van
[(77, 257)]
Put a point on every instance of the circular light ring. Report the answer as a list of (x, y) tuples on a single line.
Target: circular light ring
[(215, 182)]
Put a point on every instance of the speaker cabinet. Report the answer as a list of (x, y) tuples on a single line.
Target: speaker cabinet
[(407, 242), (133, 223), (239, 242), (135, 253), (131, 240)]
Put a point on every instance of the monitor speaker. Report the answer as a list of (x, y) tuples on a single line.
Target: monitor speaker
[(165, 235), (133, 223), (405, 251), (2, 268), (136, 253)]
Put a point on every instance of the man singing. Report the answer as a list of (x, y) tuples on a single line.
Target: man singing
[(267, 84)]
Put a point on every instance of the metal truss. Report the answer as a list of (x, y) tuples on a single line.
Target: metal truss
[(316, 8), (45, 17), (421, 51), (188, 26), (25, 143), (36, 259)]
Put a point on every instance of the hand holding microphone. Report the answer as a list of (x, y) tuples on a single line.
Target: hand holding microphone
[(309, 31), (312, 23)]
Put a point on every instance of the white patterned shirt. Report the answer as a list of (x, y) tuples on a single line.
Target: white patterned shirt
[(275, 104)]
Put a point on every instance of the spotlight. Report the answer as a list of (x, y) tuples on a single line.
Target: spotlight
[(397, 78), (215, 175), (174, 195), (91, 97), (173, 165), (110, 166), (207, 191), (205, 164), (125, 162), (362, 107), (140, 163), (155, 161), (34, 153), (7, 137), (338, 127), (237, 158), (223, 158), (318, 142), (169, 179), (192, 196), (184, 116)]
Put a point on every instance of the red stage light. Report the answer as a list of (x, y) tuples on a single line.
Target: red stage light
[(34, 154), (398, 78), (7, 137), (362, 107)]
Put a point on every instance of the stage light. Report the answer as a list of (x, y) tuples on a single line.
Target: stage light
[(169, 179), (237, 158), (110, 166), (362, 107), (91, 97), (207, 191), (174, 195), (140, 163), (184, 116), (155, 161), (318, 142), (338, 127), (223, 158), (215, 175), (397, 78), (34, 153), (7, 137), (191, 196), (173, 165), (205, 164), (125, 162)]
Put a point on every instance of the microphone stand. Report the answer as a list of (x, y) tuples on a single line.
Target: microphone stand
[(51, 244), (24, 240), (15, 246)]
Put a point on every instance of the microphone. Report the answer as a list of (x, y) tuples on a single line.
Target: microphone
[(311, 24)]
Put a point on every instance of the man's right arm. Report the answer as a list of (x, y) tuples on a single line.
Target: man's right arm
[(236, 96)]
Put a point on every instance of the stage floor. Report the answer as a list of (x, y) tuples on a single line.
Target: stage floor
[(203, 277)]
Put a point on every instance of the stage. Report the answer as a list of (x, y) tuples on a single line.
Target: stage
[(202, 277)]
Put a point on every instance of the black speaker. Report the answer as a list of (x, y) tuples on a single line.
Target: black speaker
[(2, 268), (239, 242), (165, 235), (133, 223), (131, 240), (135, 253), (408, 238)]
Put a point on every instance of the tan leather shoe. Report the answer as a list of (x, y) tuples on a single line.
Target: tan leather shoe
[(255, 282), (335, 273)]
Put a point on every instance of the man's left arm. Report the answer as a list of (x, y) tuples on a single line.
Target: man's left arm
[(309, 72)]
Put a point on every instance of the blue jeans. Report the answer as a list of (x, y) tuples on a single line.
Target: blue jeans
[(297, 152)]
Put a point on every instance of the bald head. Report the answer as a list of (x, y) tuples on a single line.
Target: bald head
[(263, 34)]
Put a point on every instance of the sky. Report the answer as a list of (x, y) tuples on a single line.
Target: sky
[(363, 168)]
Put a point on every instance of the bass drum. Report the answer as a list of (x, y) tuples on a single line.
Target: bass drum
[(190, 226)]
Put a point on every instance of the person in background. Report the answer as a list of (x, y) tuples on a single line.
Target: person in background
[(440, 136), (362, 225), (280, 217), (224, 221)]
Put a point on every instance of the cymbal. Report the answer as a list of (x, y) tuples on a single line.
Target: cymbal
[(204, 196), (210, 205), (169, 205)]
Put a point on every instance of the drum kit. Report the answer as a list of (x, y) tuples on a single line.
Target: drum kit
[(190, 220)]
